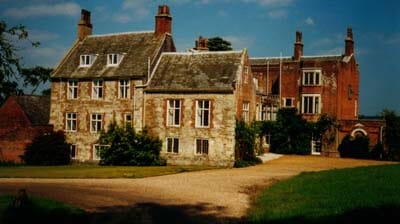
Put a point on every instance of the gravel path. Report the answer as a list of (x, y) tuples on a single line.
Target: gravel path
[(220, 193)]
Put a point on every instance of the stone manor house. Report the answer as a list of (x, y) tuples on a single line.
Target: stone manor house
[(191, 100)]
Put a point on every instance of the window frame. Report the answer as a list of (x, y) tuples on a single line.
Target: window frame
[(315, 104), (95, 154), (114, 59), (175, 148), (96, 87), (203, 114), (72, 90), (246, 111), (312, 77), (73, 148), (71, 122), (124, 89), (86, 60), (202, 150), (96, 122), (285, 100), (128, 122), (172, 112)]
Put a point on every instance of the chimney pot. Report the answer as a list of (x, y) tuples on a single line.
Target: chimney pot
[(349, 47), (163, 20), (84, 25), (298, 46)]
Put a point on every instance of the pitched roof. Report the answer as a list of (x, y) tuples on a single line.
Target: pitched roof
[(36, 108), (276, 60), (196, 72), (136, 47)]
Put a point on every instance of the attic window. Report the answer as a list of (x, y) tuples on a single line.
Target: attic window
[(114, 59), (87, 60)]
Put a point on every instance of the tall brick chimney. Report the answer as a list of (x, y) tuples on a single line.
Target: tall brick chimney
[(349, 42), (201, 44), (163, 20), (84, 25), (298, 46)]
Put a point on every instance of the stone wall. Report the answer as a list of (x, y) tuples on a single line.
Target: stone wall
[(221, 133)]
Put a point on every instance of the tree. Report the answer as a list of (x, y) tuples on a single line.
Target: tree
[(392, 134), (355, 147), (10, 67), (245, 144), (325, 129), (35, 76), (218, 44), (291, 133)]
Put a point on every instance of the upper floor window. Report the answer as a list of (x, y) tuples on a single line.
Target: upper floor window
[(72, 89), (203, 113), (311, 104), (96, 122), (312, 77), (124, 89), (128, 120), (245, 112), (97, 89), (87, 60), (70, 122), (288, 102), (114, 59), (173, 113)]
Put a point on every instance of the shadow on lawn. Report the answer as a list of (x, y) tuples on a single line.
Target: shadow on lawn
[(382, 214)]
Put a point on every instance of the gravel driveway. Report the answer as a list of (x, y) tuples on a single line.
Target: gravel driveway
[(222, 193)]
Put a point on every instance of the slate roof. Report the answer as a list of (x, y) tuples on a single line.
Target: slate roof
[(137, 47), (275, 60), (36, 108), (196, 72)]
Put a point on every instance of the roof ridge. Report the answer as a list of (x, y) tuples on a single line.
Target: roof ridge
[(120, 33), (203, 52), (322, 56), (283, 57)]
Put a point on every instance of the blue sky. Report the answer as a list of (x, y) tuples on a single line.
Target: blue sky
[(264, 27)]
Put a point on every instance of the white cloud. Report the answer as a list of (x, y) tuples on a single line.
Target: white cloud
[(47, 56), (222, 13), (271, 3), (309, 21), (239, 42), (60, 9), (277, 14), (132, 10)]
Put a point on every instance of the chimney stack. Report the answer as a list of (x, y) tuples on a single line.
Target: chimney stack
[(84, 25), (349, 42), (298, 46), (163, 20), (201, 44)]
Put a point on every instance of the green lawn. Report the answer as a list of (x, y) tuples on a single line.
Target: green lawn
[(39, 210), (93, 171), (366, 195)]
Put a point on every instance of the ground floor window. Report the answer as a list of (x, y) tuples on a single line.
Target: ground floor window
[(202, 146), (173, 145), (72, 150), (96, 151), (316, 147)]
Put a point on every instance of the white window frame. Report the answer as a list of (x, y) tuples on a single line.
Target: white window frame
[(315, 142), (128, 122), (204, 146), (174, 113), (96, 153), (246, 111), (312, 77), (316, 102), (71, 122), (285, 100), (203, 113), (96, 122), (72, 89), (173, 145), (97, 89), (246, 74), (263, 112), (124, 89), (114, 59), (87, 60), (73, 148)]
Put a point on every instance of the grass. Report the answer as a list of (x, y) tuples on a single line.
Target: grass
[(93, 171), (39, 210), (365, 194)]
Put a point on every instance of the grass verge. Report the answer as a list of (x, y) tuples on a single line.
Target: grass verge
[(365, 194), (39, 210), (93, 171)]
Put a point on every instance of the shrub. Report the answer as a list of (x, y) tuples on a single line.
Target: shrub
[(49, 149), (392, 134), (291, 133), (355, 147), (128, 148)]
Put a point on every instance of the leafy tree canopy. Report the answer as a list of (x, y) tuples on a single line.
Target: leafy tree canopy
[(392, 134), (10, 62), (218, 44)]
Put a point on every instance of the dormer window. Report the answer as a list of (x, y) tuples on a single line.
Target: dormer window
[(87, 60), (114, 59)]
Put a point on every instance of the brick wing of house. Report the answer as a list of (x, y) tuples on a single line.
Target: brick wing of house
[(100, 81), (192, 102), (22, 118)]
